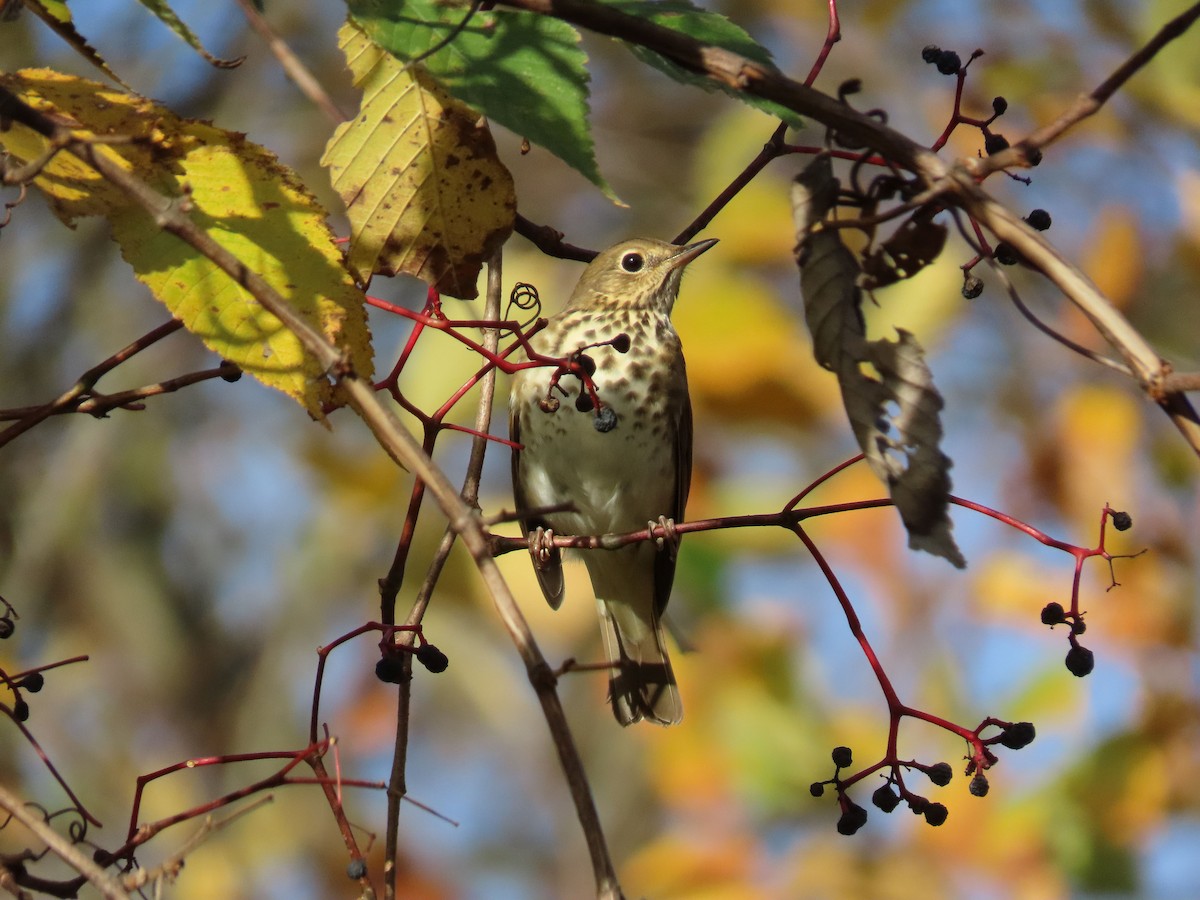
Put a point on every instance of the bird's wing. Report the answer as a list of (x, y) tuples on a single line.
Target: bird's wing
[(664, 563)]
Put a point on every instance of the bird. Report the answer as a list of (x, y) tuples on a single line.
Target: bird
[(611, 456)]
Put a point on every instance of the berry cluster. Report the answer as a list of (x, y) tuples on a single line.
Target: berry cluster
[(390, 668), (1038, 220), (889, 795)]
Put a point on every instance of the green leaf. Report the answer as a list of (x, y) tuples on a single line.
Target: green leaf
[(238, 193), (167, 16), (523, 70), (708, 28)]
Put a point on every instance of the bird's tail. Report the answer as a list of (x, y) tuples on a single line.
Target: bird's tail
[(642, 684)]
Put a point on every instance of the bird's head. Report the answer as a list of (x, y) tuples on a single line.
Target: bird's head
[(640, 273)]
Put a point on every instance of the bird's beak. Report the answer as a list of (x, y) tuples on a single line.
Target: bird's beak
[(690, 252)]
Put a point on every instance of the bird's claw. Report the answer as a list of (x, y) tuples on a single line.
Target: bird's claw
[(670, 539), (541, 546)]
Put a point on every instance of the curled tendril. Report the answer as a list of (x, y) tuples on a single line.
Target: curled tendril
[(525, 298)]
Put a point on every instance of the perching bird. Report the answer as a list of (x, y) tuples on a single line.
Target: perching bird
[(622, 463)]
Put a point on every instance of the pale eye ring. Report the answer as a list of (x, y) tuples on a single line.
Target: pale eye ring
[(632, 262)]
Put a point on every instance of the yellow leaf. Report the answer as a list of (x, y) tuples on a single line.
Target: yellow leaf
[(240, 195), (424, 189)]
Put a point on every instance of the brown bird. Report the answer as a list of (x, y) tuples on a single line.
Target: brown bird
[(620, 463)]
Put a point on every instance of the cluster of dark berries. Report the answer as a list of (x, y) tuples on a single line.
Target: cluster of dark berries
[(1080, 660), (390, 668), (947, 61)]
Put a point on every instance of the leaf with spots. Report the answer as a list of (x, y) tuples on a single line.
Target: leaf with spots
[(425, 192), (887, 389), (237, 192), (523, 70)]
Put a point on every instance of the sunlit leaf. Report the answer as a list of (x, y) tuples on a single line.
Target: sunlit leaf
[(523, 70), (238, 193), (424, 190)]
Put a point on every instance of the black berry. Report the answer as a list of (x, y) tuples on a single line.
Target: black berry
[(1018, 735), (1122, 521), (1034, 156), (33, 682), (842, 757), (972, 287), (1039, 220), (935, 814), (918, 804), (854, 818), (940, 774), (431, 658), (389, 670), (999, 106), (621, 343), (931, 53), (885, 798), (1078, 627), (1080, 661), (583, 402), (948, 62), (1005, 254), (605, 421), (1053, 614), (994, 143), (20, 710), (6, 628), (356, 869), (979, 785), (817, 788), (587, 364), (229, 372)]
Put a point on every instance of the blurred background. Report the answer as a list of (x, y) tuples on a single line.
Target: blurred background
[(200, 550)]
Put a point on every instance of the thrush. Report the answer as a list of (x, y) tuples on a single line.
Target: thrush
[(605, 435)]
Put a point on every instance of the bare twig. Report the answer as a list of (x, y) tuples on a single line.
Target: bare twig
[(61, 847)]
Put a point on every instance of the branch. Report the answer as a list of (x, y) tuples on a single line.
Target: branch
[(955, 184), (171, 216)]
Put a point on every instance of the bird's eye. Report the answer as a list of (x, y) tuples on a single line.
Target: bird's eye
[(632, 262)]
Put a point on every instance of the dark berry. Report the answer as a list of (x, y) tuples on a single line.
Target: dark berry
[(1080, 661), (431, 658), (972, 287), (621, 343), (940, 774), (102, 858), (948, 62), (1078, 627), (33, 682), (1038, 220), (1053, 614), (583, 402), (1122, 521), (1018, 735), (6, 628), (605, 421), (389, 670), (850, 87), (935, 814), (817, 788), (994, 143), (20, 710), (1005, 254), (356, 869), (931, 53), (587, 364), (979, 785), (999, 106), (842, 757), (918, 804), (1034, 156), (885, 798), (854, 818), (229, 372)]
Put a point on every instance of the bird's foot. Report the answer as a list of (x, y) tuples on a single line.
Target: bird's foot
[(670, 539), (541, 546)]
